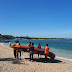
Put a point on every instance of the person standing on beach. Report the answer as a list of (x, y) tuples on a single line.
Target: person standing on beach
[(29, 46), (10, 44), (31, 51), (46, 51), (39, 48), (16, 51)]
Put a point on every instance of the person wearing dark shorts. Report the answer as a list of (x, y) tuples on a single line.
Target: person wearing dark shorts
[(12, 46), (39, 48), (16, 51), (31, 51)]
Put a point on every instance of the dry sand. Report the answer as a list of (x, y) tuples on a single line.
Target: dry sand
[(9, 64)]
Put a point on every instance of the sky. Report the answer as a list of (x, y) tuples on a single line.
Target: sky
[(36, 18)]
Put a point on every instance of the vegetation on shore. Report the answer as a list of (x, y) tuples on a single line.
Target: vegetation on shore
[(7, 37), (3, 37)]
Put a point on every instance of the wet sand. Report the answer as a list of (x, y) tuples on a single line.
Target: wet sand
[(9, 64)]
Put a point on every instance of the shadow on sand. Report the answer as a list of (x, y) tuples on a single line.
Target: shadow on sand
[(16, 61), (48, 60), (7, 59)]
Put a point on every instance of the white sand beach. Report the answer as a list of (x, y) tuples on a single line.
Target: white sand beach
[(9, 64)]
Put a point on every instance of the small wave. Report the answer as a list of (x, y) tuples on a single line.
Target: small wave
[(64, 58), (1, 43), (42, 47)]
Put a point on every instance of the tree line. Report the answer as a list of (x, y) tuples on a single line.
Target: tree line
[(5, 37)]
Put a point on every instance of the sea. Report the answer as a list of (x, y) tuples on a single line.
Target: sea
[(61, 48)]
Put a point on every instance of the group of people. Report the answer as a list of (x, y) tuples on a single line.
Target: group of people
[(31, 50)]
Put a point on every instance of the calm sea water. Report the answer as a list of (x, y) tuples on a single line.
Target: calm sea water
[(61, 48)]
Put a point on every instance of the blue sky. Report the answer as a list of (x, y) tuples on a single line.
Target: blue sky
[(36, 18)]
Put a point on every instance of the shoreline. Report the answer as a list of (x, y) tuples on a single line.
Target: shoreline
[(9, 64), (42, 39), (58, 57)]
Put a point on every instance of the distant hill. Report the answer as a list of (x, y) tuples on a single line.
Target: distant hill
[(6, 37), (3, 37)]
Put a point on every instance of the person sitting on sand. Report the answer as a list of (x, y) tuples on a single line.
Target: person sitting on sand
[(39, 48), (29, 46), (16, 51), (31, 51), (46, 51)]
